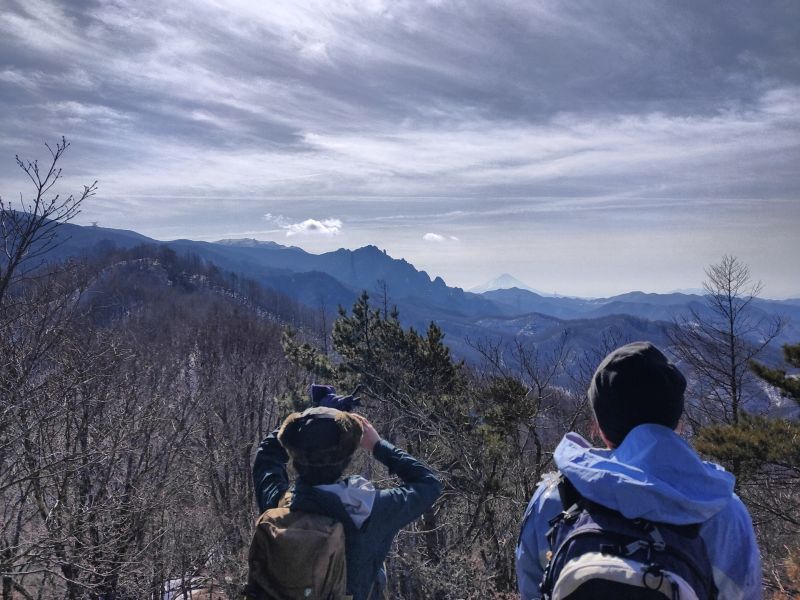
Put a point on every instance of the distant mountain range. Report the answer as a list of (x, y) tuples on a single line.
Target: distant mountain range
[(508, 309), (505, 282)]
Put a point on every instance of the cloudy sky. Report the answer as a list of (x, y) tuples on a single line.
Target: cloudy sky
[(587, 147)]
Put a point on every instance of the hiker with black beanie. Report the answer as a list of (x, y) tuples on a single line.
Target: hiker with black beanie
[(645, 513)]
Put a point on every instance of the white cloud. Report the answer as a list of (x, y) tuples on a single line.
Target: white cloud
[(438, 238), (327, 227), (279, 220)]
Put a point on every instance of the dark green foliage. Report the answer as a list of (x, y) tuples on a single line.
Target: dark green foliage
[(507, 402), (766, 453), (390, 361), (396, 367), (788, 385), (756, 441)]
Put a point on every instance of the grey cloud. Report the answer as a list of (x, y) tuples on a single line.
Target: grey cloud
[(401, 115), (419, 61)]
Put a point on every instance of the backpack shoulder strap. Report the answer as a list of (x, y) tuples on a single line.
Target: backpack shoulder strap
[(572, 502), (568, 493)]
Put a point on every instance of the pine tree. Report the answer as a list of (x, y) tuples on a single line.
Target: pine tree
[(787, 384), (423, 400), (767, 453)]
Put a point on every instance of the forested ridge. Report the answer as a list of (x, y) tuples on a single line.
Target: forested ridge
[(136, 384)]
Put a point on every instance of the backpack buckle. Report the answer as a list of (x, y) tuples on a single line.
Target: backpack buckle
[(572, 513), (636, 546), (658, 540)]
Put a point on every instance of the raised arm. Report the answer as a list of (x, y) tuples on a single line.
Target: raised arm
[(396, 507), (419, 491), (270, 480)]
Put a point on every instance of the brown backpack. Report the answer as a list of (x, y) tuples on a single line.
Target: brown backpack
[(297, 555)]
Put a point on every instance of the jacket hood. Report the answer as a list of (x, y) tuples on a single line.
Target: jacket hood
[(357, 496), (654, 474)]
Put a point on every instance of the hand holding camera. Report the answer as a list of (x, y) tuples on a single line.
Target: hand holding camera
[(370, 436)]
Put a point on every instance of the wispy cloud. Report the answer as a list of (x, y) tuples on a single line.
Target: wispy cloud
[(278, 220), (438, 238), (378, 98)]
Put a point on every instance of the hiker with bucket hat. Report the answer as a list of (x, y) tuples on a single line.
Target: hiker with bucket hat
[(351, 522)]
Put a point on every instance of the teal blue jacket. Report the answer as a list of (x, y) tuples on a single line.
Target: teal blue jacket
[(392, 509)]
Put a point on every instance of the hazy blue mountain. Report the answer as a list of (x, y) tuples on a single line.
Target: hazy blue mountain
[(367, 268), (318, 280), (580, 333), (696, 291), (324, 281), (74, 240), (655, 307), (253, 243), (314, 289), (651, 306), (671, 299), (506, 282), (516, 301)]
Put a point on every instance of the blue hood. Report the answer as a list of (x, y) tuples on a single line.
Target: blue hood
[(653, 474)]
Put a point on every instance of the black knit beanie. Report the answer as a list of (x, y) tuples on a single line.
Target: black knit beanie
[(636, 384)]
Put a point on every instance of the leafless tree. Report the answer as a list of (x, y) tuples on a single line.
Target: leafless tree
[(30, 231), (719, 342), (37, 304)]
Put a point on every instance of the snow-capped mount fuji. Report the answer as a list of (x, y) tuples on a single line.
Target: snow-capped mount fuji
[(506, 282)]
